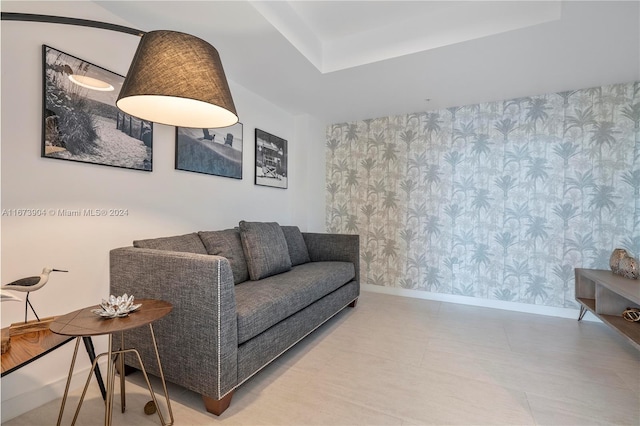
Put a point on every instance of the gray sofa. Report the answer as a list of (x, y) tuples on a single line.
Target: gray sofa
[(241, 297)]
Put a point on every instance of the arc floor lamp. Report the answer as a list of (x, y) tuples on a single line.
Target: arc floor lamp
[(175, 78)]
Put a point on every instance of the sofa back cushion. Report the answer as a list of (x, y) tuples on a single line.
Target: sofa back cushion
[(227, 244), (189, 243), (297, 247), (265, 248)]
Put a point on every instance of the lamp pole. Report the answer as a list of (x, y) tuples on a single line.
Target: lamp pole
[(32, 17)]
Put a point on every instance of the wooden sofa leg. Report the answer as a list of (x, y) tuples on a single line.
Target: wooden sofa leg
[(353, 304), (217, 406)]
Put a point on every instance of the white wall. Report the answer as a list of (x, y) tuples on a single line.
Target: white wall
[(310, 137), (163, 202)]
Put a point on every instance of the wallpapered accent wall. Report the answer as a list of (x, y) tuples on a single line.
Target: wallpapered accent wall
[(499, 200)]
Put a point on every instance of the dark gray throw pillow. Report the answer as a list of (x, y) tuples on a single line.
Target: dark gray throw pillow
[(297, 248), (189, 243), (227, 244), (265, 249)]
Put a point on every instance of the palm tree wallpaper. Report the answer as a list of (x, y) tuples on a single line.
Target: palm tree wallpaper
[(500, 200)]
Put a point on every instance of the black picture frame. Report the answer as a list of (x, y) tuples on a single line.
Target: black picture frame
[(215, 152), (271, 160), (80, 120)]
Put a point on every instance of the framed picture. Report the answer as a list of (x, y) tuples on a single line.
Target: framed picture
[(80, 120), (210, 151), (271, 160)]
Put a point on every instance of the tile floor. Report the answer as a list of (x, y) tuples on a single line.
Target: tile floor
[(402, 361)]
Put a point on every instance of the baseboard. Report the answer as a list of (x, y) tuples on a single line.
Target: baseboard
[(475, 301), (32, 398)]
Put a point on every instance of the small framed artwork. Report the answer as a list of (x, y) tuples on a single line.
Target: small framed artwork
[(80, 120), (210, 151), (271, 160)]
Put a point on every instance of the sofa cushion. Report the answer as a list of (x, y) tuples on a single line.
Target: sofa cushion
[(227, 244), (262, 304), (265, 249), (190, 243), (297, 248)]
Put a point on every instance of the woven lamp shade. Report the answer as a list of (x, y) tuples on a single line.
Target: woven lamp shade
[(177, 79)]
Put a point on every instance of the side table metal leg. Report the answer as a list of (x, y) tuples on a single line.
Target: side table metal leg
[(123, 399), (94, 365), (583, 311), (146, 378), (66, 389), (88, 344), (164, 384), (110, 387), (151, 392), (111, 377)]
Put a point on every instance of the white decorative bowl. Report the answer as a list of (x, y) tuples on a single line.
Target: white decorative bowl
[(116, 307)]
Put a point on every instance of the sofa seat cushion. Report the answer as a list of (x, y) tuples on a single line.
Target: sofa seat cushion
[(264, 303)]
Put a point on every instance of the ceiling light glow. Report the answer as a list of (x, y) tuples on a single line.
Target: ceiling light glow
[(91, 83)]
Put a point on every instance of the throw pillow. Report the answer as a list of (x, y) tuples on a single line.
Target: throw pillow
[(297, 248), (227, 244), (189, 243), (265, 249)]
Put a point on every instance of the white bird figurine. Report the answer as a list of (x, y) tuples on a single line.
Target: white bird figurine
[(30, 284)]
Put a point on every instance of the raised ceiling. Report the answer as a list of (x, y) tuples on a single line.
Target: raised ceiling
[(338, 35), (342, 61)]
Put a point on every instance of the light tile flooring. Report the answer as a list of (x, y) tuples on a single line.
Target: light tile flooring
[(402, 361)]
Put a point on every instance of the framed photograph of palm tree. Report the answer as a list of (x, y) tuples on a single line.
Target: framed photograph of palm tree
[(271, 160), (210, 151), (80, 120)]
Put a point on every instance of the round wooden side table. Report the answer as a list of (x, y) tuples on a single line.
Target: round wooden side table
[(83, 322)]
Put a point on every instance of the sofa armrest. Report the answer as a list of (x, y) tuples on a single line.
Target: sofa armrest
[(334, 247), (198, 340)]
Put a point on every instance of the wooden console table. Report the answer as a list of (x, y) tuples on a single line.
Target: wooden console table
[(28, 347), (606, 295)]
